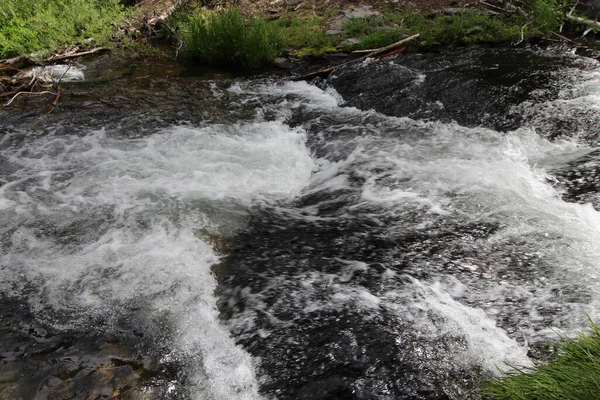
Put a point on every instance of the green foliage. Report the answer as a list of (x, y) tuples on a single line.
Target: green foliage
[(306, 36), (228, 39), (32, 25), (546, 16), (465, 27), (381, 38), (363, 26), (573, 375)]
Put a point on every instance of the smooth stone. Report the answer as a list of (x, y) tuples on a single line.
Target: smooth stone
[(361, 12)]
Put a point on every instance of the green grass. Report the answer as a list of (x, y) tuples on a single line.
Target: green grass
[(547, 16), (465, 27), (228, 39), (28, 26), (305, 36), (573, 375), (363, 26)]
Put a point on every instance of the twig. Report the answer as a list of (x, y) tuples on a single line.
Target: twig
[(519, 9), (522, 35), (588, 30), (33, 78), (566, 39), (393, 48), (500, 9), (61, 77), (363, 51), (74, 55), (7, 94), (584, 21), (55, 102), (29, 93)]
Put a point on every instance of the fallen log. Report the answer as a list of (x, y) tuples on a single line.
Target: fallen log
[(381, 52), (584, 21), (95, 50)]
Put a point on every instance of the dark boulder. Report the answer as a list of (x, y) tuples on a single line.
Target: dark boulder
[(591, 8)]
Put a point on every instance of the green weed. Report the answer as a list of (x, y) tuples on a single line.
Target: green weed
[(573, 375), (546, 16), (305, 36), (362, 26), (228, 39), (380, 38), (28, 26)]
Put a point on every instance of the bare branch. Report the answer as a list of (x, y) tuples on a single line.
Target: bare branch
[(28, 93)]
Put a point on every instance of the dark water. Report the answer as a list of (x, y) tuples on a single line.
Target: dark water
[(397, 231)]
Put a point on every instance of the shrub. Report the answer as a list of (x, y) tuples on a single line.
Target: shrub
[(31, 25), (228, 39), (573, 375)]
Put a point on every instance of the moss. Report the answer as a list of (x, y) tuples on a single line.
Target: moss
[(573, 375), (305, 36)]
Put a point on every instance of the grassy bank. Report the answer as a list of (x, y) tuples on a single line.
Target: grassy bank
[(231, 37), (573, 375), (228, 38), (28, 26)]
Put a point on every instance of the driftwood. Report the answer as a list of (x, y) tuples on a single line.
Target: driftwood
[(588, 22), (17, 85), (584, 21), (381, 52), (17, 63), (95, 50)]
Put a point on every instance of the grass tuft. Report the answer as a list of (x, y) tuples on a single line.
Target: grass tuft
[(573, 375), (305, 36), (226, 38)]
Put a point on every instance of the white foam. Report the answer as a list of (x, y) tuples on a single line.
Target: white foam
[(477, 175), (133, 208)]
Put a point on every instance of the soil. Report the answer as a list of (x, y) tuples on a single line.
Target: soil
[(310, 6)]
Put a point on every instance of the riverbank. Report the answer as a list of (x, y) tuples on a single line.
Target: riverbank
[(290, 34)]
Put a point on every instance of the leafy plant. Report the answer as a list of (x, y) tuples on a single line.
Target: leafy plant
[(226, 38), (32, 25)]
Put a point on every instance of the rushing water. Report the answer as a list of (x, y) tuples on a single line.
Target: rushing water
[(400, 230)]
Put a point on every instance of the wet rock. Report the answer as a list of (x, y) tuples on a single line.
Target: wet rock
[(417, 86), (337, 23), (41, 362), (283, 62), (350, 42), (580, 180)]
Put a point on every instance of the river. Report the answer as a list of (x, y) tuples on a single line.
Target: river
[(400, 230)]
